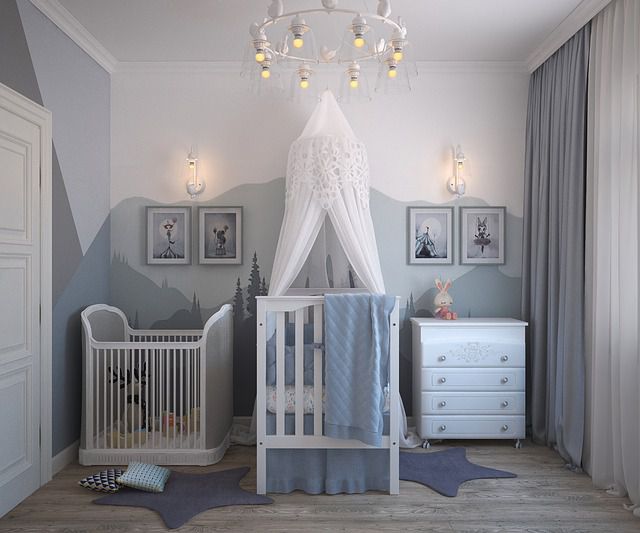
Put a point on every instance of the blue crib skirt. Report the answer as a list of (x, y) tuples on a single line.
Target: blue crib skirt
[(317, 471)]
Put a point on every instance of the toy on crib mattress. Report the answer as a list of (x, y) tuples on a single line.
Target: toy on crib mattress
[(443, 301)]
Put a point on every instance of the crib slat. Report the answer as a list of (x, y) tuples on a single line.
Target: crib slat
[(188, 396), (181, 383), (280, 331), (96, 399), (105, 381), (117, 429), (317, 370), (110, 445), (202, 394), (299, 382), (175, 410), (138, 385)]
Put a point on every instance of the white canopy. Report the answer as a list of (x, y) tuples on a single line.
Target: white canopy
[(327, 174)]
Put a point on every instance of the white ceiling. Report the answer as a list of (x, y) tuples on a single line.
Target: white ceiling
[(217, 30)]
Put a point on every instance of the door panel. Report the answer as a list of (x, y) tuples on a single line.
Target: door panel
[(20, 153)]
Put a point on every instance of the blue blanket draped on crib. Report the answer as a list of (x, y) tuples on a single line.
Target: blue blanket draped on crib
[(356, 364)]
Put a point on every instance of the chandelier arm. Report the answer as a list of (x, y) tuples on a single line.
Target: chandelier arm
[(373, 16)]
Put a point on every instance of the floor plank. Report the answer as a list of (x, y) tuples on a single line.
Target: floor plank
[(545, 497)]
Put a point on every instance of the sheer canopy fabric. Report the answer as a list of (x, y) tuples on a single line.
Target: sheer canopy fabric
[(613, 289), (327, 175)]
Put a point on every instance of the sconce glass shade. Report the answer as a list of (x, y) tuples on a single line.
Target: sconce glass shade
[(195, 184), (456, 184)]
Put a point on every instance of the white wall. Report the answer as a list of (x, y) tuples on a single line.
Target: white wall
[(240, 138)]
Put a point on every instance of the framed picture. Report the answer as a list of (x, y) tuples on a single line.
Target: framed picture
[(220, 235), (482, 235), (169, 235), (430, 235)]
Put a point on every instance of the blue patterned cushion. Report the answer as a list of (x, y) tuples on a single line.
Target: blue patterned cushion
[(150, 478), (104, 481)]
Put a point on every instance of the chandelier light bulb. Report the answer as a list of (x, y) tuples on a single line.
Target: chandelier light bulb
[(266, 74), (304, 84), (298, 41), (392, 72), (359, 41), (260, 56), (397, 54), (353, 84)]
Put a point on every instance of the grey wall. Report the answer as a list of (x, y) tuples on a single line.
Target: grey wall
[(159, 296), (40, 62)]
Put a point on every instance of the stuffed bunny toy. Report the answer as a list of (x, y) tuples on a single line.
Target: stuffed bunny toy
[(443, 301)]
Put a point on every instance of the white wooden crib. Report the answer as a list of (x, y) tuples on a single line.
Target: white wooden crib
[(158, 396), (302, 307)]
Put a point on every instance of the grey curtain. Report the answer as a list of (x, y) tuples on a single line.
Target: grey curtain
[(553, 248)]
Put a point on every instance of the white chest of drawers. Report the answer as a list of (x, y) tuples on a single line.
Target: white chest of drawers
[(469, 378)]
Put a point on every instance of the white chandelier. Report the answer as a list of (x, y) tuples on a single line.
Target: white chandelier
[(294, 51)]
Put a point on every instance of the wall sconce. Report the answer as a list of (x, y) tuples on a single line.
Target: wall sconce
[(195, 185), (456, 184)]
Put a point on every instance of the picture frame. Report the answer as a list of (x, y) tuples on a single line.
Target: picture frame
[(168, 235), (482, 235), (220, 235), (430, 235)]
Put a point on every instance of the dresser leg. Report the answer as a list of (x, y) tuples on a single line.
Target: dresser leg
[(518, 444), (426, 443)]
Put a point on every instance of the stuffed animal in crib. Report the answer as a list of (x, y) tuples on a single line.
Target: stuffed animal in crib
[(443, 301)]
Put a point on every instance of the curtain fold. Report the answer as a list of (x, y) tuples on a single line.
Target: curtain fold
[(553, 248), (613, 234)]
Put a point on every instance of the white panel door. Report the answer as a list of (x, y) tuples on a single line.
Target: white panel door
[(20, 154)]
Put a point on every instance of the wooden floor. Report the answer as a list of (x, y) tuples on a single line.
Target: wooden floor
[(544, 497)]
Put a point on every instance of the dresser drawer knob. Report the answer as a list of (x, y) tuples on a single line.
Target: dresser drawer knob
[(442, 404), (442, 380), (504, 358), (505, 427), (504, 380), (505, 404), (442, 358), (442, 427)]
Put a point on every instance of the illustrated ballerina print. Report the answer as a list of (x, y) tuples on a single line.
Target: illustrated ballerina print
[(482, 234)]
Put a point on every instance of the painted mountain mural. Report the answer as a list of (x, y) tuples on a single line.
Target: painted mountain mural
[(184, 297)]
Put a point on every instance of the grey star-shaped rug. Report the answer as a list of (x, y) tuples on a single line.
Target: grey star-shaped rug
[(445, 471), (186, 495)]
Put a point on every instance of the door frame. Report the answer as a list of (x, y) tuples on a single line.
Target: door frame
[(39, 116)]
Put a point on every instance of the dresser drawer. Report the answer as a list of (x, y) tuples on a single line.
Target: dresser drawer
[(478, 379), (471, 427), (473, 353), (472, 403)]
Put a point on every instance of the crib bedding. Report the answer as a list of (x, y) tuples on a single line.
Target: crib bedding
[(308, 399)]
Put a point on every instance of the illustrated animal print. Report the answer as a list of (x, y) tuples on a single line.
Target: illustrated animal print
[(221, 240)]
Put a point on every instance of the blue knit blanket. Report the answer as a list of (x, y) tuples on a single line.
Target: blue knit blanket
[(356, 364)]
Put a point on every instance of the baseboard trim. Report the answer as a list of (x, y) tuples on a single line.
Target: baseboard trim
[(65, 457)]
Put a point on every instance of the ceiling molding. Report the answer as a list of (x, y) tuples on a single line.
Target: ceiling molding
[(583, 13), (235, 67), (70, 25)]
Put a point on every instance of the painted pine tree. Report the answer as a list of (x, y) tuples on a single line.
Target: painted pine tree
[(238, 306), (264, 290), (253, 289)]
